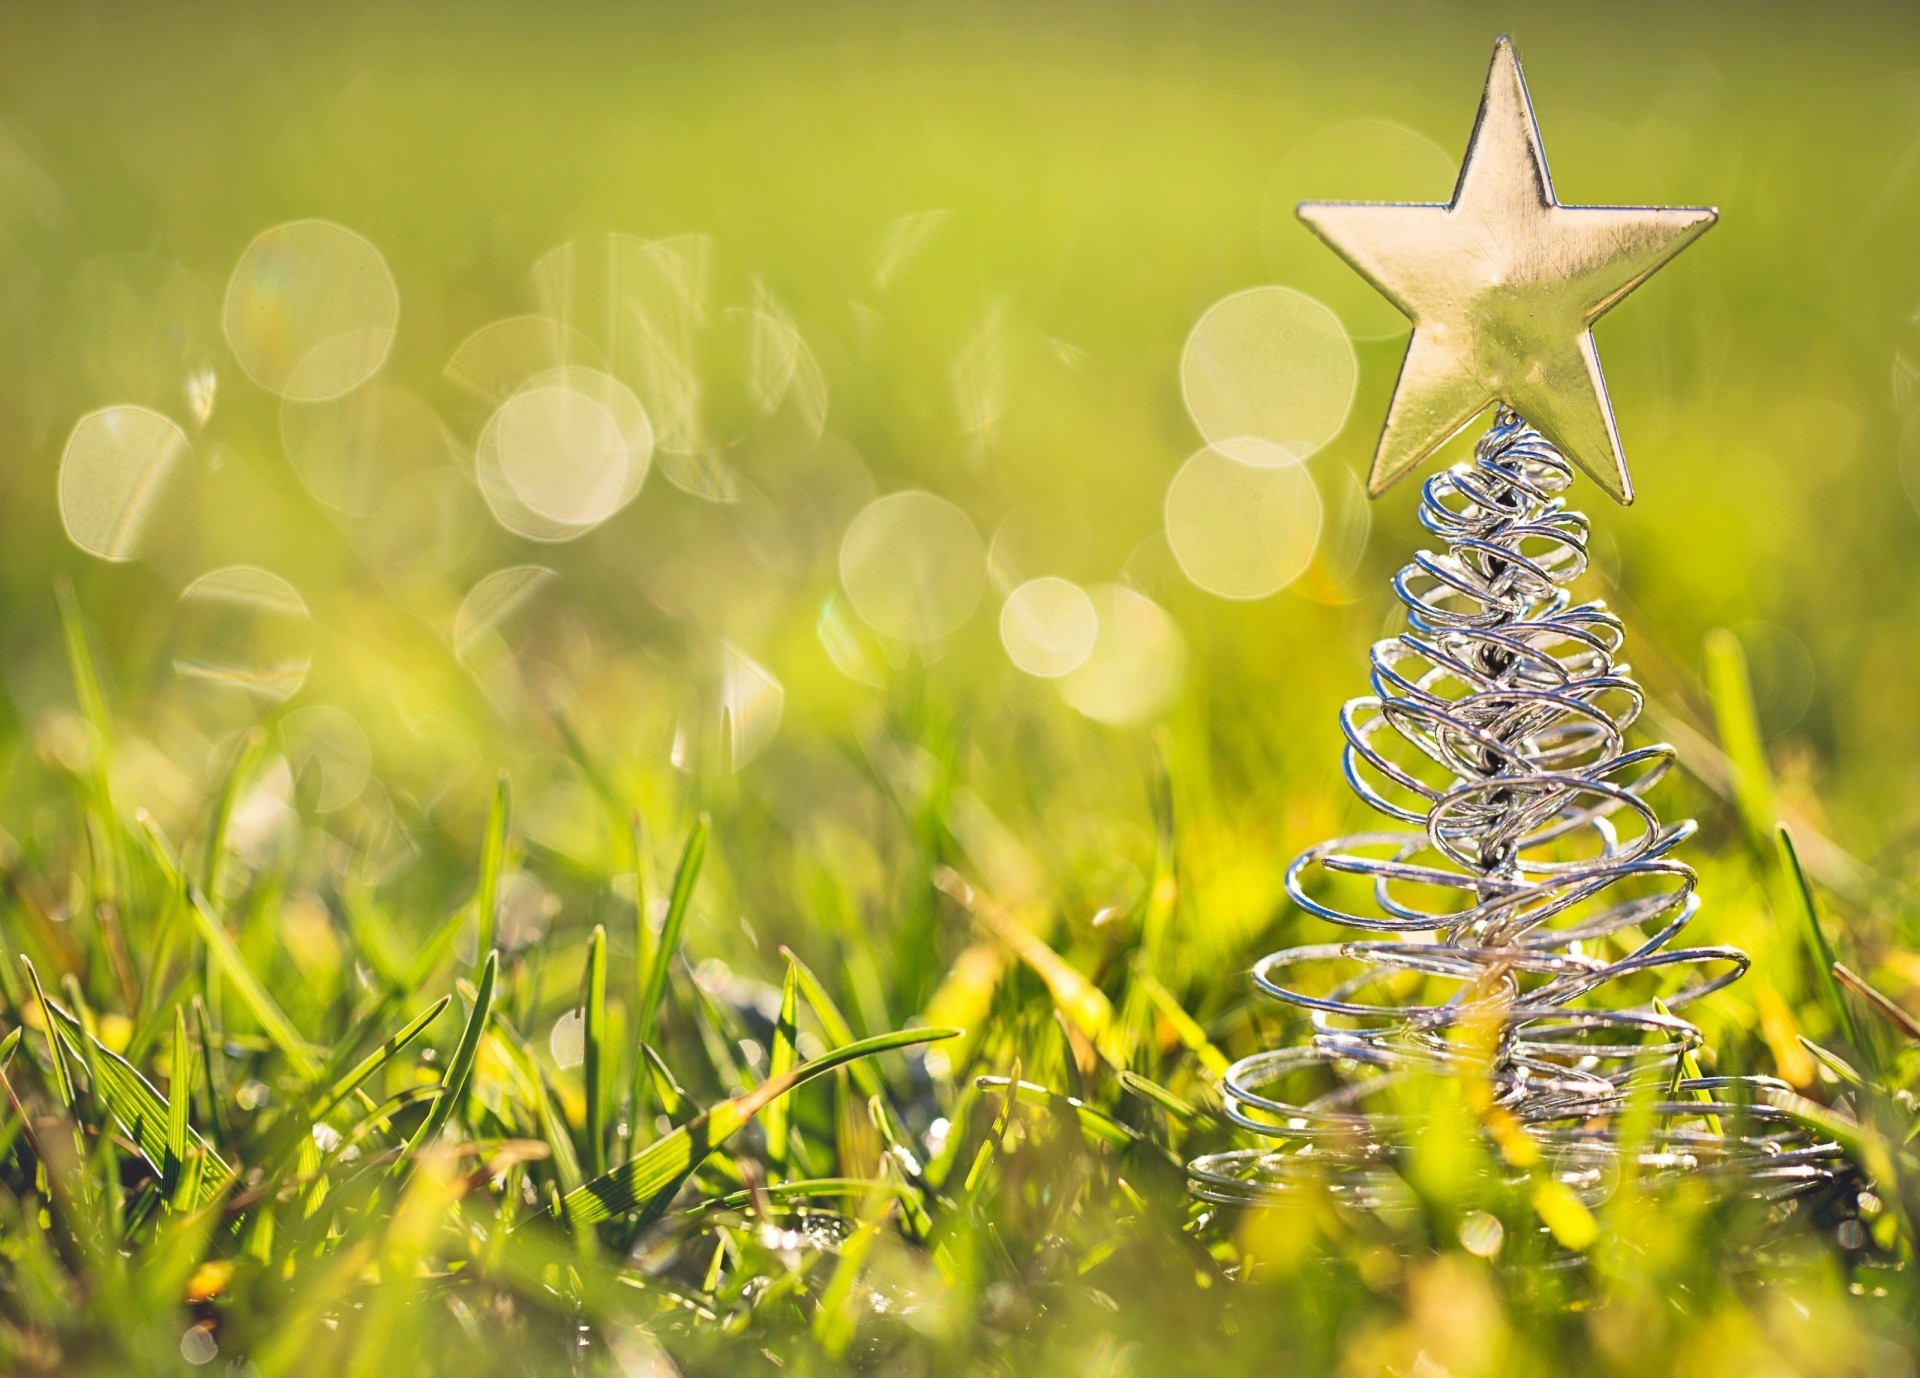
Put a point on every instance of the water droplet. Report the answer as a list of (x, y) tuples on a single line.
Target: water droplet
[(311, 310), (114, 475), (1272, 364), (244, 628), (1048, 627), (1134, 669), (1239, 527), (913, 566)]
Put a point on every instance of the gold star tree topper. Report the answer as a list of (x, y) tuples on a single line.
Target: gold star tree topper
[(1503, 285)]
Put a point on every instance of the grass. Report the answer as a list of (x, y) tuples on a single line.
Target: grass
[(553, 1038), (376, 1161)]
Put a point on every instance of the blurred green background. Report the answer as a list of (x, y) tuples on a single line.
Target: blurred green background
[(991, 229), (1105, 174)]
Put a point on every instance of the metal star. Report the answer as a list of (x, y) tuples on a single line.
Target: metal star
[(1503, 285)]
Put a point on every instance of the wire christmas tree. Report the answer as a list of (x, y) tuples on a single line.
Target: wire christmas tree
[(1520, 924)]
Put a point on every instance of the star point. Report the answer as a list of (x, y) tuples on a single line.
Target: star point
[(1503, 285)]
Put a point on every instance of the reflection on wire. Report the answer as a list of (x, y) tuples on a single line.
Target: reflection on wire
[(1521, 928)]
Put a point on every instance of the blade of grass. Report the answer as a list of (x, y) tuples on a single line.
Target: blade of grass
[(86, 687), (377, 1059), (838, 1315), (141, 1110), (179, 1096), (1739, 727), (1185, 1027), (493, 854), (833, 1023), (1084, 1004), (778, 1119), (268, 1014), (62, 1074), (209, 1053), (594, 1065), (648, 1181), (673, 1100), (253, 745), (1800, 890), (653, 988), (460, 1067), (1877, 1002), (1095, 1123)]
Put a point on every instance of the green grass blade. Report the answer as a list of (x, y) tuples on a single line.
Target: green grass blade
[(213, 866), (673, 1099), (1148, 1089), (778, 1119), (378, 1058), (493, 856), (1095, 1123), (460, 1068), (209, 1053), (1878, 1003), (1192, 1037), (86, 685), (648, 1181), (268, 1014), (1800, 893), (1739, 728), (62, 1074), (653, 986), (141, 1110), (179, 1097), (833, 1023), (679, 901), (594, 1065)]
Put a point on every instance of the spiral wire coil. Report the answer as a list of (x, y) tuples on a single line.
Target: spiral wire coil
[(1530, 882)]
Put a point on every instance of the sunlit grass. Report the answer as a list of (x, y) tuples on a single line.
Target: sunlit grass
[(624, 751)]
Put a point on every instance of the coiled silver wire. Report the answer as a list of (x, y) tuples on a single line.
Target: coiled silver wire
[(1531, 893)]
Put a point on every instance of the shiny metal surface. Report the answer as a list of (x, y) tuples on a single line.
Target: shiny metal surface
[(1522, 924), (1503, 285)]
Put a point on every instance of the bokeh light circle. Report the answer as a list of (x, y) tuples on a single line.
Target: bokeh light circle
[(913, 566), (1273, 364), (113, 474), (1138, 657), (561, 451), (347, 450), (311, 310), (493, 602), (1239, 525), (1361, 160), (1048, 626), (328, 754), (563, 454), (244, 628)]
